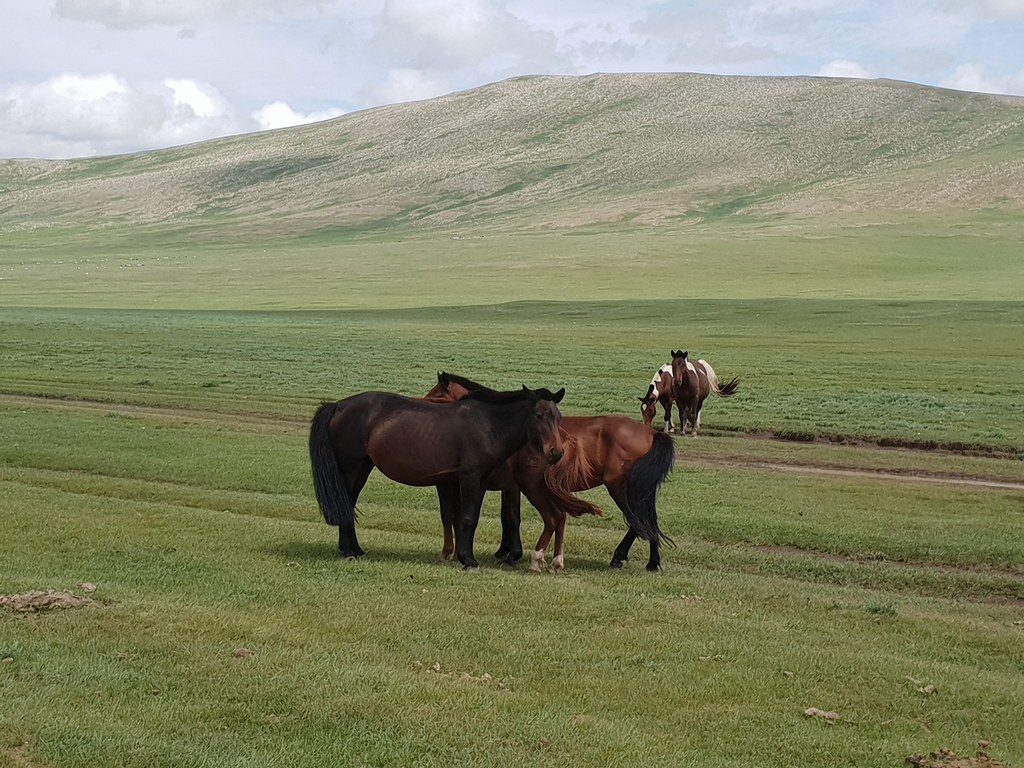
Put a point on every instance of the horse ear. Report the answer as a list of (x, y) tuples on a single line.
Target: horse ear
[(559, 395)]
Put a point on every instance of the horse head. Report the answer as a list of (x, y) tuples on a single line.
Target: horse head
[(679, 368), (450, 388), (542, 430), (648, 405)]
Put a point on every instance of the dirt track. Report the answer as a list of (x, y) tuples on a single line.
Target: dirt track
[(298, 424)]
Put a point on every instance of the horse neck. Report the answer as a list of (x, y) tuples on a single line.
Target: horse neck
[(508, 422)]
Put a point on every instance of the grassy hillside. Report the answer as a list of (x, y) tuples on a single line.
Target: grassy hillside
[(564, 152)]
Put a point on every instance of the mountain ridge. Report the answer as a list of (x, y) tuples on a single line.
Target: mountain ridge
[(560, 152)]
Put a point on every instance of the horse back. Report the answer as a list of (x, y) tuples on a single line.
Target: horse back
[(610, 443)]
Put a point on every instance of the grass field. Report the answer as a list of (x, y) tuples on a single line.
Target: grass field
[(154, 431)]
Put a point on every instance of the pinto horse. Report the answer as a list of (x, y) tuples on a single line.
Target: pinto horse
[(659, 391), (629, 459), (452, 446), (692, 382)]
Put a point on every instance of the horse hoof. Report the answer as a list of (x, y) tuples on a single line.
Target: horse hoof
[(653, 567), (471, 568), (501, 554), (615, 564)]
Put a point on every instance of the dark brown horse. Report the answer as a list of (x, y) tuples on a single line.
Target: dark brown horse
[(659, 392), (448, 391), (629, 459), (452, 446), (692, 382)]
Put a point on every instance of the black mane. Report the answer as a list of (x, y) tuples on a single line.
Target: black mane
[(462, 381), (488, 395)]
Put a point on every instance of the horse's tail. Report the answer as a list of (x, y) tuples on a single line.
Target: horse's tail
[(722, 390), (642, 483), (570, 473), (335, 503)]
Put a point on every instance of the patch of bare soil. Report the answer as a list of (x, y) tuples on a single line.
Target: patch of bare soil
[(32, 602), (917, 477), (947, 758), (18, 756)]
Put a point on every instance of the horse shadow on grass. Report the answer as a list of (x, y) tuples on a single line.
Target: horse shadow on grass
[(307, 552)]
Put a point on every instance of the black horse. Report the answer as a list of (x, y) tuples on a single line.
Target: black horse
[(452, 446)]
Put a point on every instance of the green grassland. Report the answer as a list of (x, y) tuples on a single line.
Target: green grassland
[(781, 594), (160, 454)]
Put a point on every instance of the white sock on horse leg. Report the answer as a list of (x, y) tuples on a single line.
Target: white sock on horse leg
[(537, 560)]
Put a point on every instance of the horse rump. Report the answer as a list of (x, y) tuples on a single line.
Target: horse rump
[(331, 494)]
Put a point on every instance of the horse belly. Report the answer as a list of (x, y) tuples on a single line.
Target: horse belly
[(413, 457)]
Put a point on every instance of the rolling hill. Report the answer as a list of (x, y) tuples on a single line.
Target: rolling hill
[(559, 152)]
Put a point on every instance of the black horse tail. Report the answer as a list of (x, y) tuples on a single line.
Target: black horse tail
[(642, 483), (335, 503)]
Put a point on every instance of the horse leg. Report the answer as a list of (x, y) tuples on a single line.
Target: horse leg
[(696, 424), (669, 426), (448, 500), (538, 560), (621, 554), (617, 490), (558, 562), (554, 523), (348, 542), (511, 549), (654, 561), (471, 497)]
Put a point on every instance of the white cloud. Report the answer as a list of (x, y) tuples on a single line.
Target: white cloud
[(844, 68), (1007, 9), (132, 14), (704, 37), (973, 77), (403, 85), (447, 34), (112, 114), (281, 115)]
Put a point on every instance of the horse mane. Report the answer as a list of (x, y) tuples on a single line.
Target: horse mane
[(572, 471), (488, 395), (494, 396), (462, 381)]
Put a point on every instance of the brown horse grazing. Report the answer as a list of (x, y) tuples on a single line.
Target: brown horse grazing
[(452, 446), (692, 382), (660, 391), (629, 459)]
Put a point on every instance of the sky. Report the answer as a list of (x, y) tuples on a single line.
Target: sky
[(83, 78)]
